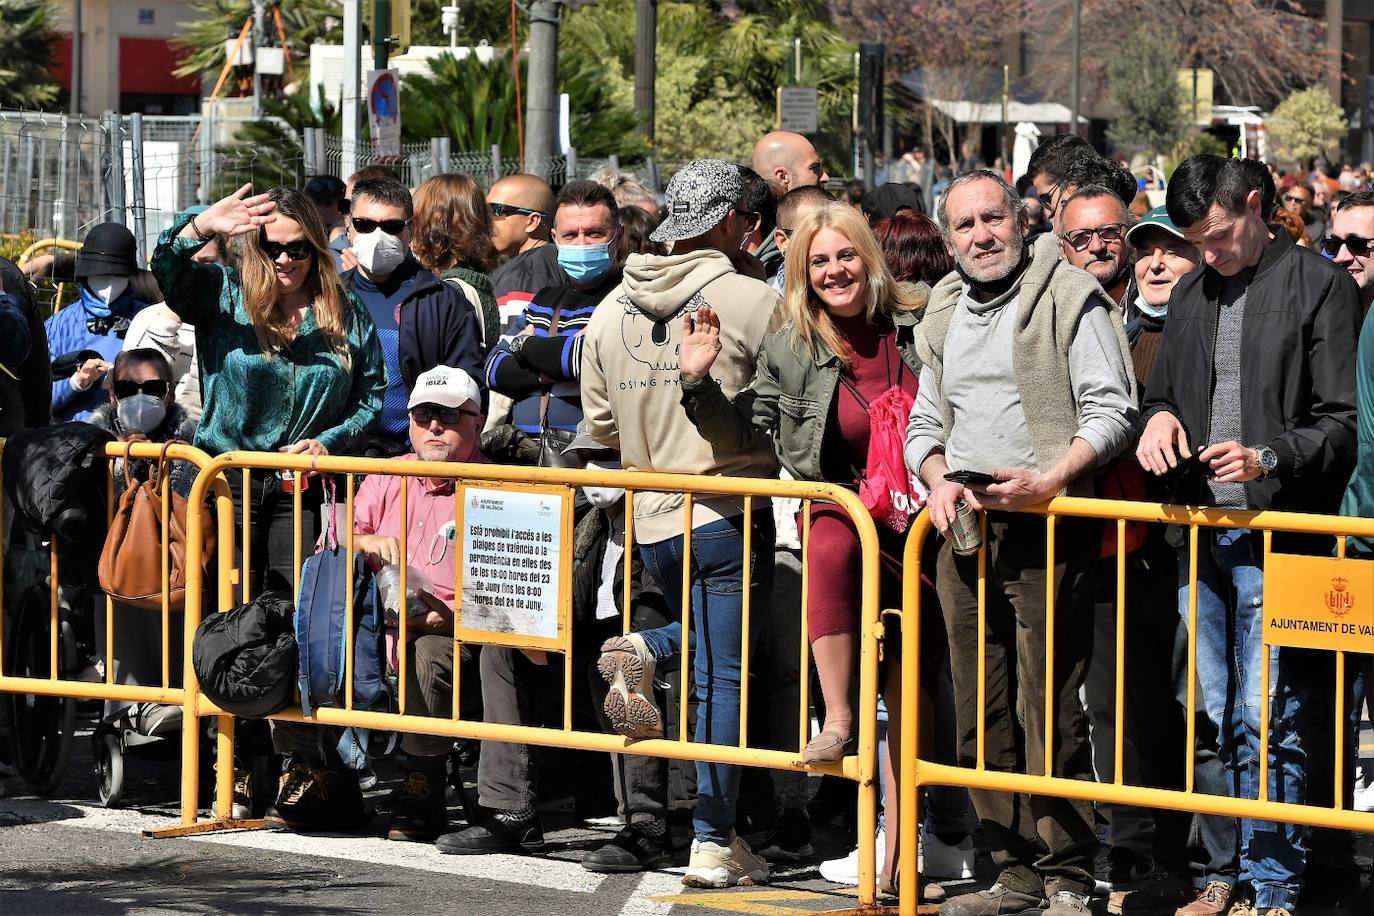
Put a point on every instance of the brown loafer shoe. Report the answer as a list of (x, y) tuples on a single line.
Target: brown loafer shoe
[(828, 747)]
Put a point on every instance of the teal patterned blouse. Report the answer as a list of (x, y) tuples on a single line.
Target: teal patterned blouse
[(256, 402)]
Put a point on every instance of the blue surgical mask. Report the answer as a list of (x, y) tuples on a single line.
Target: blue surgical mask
[(585, 263), (1154, 311)]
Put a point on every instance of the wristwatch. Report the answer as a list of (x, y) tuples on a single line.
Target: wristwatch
[(517, 343), (1268, 460)]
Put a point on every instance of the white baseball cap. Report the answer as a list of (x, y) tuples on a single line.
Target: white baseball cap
[(445, 386)]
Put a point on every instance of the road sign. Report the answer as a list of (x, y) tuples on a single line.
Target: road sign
[(384, 111), (797, 109)]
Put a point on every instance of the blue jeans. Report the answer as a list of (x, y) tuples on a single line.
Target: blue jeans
[(717, 574), (1230, 630)]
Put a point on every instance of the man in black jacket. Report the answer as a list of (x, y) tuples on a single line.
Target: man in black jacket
[(1271, 328), (421, 321)]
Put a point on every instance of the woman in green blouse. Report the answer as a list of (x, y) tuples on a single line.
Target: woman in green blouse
[(289, 361)]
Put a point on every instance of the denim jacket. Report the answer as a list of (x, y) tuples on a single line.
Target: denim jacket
[(789, 398)]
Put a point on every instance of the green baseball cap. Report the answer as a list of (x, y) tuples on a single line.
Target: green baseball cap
[(1158, 217)]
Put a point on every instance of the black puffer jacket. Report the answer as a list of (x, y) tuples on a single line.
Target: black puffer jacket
[(26, 390), (1302, 322), (56, 480)]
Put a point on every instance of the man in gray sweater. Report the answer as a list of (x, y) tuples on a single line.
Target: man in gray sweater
[(1026, 377)]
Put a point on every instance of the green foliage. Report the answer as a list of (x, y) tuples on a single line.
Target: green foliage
[(201, 41), (26, 53), (717, 80), (1306, 125), (265, 154), (1195, 143), (1143, 82)]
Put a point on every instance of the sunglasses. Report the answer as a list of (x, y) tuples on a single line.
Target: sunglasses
[(298, 250), (389, 226), (1047, 200), (125, 388), (504, 210), (1358, 245), (1082, 238), (424, 414), (1296, 199)]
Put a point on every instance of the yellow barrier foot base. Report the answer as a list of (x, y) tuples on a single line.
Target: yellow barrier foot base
[(229, 823), (922, 910)]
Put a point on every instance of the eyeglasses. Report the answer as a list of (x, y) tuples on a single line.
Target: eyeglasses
[(127, 388), (298, 250), (424, 414), (389, 226), (1358, 245), (1047, 200), (1082, 238), (502, 210), (1296, 199)]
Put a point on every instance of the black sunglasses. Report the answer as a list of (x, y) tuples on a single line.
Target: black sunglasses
[(1112, 232), (424, 414), (126, 388), (512, 210), (1358, 245), (298, 250), (389, 226), (1047, 200), (1296, 199)]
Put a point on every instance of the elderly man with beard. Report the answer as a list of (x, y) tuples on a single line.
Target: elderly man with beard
[(1092, 236), (1026, 377)]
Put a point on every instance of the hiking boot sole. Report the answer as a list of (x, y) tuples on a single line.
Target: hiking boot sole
[(630, 712)]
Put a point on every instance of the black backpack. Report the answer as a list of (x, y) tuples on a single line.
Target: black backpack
[(245, 658)]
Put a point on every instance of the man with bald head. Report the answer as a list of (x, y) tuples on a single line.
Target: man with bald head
[(788, 161), (522, 216)]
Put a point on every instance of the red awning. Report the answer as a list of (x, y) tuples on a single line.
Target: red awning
[(145, 66)]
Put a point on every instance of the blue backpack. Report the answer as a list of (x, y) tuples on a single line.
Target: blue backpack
[(321, 641)]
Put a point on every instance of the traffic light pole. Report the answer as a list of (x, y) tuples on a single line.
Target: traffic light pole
[(541, 100)]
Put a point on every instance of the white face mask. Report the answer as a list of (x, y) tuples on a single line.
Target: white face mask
[(142, 412), (379, 253), (107, 287), (603, 497)]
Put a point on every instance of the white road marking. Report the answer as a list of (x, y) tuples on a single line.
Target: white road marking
[(653, 884), (554, 874)]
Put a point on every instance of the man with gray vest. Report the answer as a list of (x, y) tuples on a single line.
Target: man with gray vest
[(1026, 378)]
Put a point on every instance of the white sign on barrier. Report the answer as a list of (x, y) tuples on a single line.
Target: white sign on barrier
[(513, 575)]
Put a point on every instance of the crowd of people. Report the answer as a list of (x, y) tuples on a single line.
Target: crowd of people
[(752, 324)]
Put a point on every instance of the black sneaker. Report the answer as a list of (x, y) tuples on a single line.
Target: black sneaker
[(311, 799), (421, 813), (631, 850), (790, 838), (498, 832), (242, 807)]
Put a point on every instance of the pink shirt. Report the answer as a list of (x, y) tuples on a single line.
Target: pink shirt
[(431, 539)]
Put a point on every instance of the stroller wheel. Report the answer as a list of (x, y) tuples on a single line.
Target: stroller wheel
[(109, 770), (42, 727)]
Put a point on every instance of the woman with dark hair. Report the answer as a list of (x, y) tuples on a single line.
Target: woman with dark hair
[(453, 239), (636, 225), (913, 248), (289, 362), (141, 408)]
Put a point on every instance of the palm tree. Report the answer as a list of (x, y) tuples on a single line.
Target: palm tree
[(26, 53)]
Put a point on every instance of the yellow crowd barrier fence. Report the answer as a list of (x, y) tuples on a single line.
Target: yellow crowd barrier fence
[(1327, 600)]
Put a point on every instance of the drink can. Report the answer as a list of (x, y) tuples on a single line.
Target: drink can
[(965, 532)]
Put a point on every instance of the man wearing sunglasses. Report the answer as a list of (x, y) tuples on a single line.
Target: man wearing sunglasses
[(421, 321), (1092, 236), (522, 209), (1352, 232)]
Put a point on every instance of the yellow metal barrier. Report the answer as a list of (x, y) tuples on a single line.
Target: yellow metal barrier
[(55, 684), (920, 773), (475, 478)]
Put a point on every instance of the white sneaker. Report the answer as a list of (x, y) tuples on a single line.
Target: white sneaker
[(846, 871), (628, 667), (938, 859), (1364, 798), (714, 865)]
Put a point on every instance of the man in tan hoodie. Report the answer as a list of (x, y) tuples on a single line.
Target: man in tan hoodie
[(630, 397)]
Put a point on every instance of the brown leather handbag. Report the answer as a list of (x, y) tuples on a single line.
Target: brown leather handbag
[(131, 561)]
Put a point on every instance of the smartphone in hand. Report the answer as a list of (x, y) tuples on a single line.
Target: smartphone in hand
[(971, 478)]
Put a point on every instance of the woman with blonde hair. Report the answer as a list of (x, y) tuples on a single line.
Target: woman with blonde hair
[(289, 361), (847, 338), (453, 239)]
